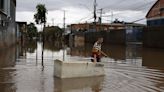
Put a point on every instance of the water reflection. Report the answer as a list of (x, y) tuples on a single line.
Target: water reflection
[(83, 51), (28, 47), (54, 46), (153, 58), (133, 51), (129, 68), (115, 52), (135, 69), (7, 57), (7, 72), (31, 46), (76, 84)]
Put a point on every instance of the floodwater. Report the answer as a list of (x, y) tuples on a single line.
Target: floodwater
[(128, 69)]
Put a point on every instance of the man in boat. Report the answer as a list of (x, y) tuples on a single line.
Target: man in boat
[(96, 51)]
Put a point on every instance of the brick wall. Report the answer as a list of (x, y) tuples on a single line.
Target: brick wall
[(156, 10)]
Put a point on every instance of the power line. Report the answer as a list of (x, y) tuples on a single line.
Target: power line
[(138, 20), (134, 4), (84, 17), (142, 6), (85, 7), (118, 3), (136, 9)]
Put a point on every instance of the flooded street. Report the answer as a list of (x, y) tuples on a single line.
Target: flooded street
[(128, 69)]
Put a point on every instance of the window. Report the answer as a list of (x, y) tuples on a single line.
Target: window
[(1, 4), (161, 9)]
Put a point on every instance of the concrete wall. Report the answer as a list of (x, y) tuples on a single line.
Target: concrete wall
[(7, 29), (111, 37), (134, 35), (153, 37), (79, 41), (7, 59)]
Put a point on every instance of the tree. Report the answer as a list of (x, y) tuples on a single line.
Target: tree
[(53, 33), (40, 18), (31, 30), (40, 15)]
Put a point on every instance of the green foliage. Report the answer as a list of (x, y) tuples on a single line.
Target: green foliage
[(32, 30), (40, 15), (53, 33), (31, 46)]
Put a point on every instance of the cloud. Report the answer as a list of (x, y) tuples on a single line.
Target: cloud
[(81, 10), (25, 16), (29, 5)]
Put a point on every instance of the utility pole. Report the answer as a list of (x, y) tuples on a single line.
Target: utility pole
[(94, 15), (111, 16), (52, 21), (101, 11), (64, 21), (63, 36), (111, 19)]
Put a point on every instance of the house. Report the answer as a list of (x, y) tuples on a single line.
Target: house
[(82, 27), (153, 34), (7, 23), (155, 16), (53, 33), (21, 30), (116, 32)]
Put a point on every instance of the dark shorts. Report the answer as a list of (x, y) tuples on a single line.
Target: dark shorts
[(98, 59)]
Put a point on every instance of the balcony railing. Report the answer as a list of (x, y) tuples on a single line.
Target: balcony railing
[(3, 19), (2, 13)]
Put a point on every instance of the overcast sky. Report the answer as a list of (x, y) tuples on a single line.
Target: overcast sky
[(79, 11)]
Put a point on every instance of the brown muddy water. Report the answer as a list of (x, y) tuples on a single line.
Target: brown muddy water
[(128, 69)]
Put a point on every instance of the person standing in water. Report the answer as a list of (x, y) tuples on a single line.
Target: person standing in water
[(96, 51)]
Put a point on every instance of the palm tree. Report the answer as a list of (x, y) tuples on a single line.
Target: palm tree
[(40, 18)]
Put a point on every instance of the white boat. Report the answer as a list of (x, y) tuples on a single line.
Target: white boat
[(75, 69)]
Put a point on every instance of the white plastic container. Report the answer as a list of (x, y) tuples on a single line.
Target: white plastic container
[(77, 69)]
